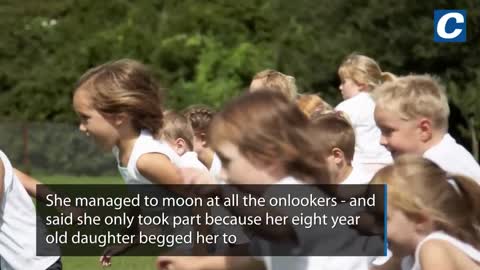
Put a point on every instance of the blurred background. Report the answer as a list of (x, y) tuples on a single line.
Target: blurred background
[(207, 52)]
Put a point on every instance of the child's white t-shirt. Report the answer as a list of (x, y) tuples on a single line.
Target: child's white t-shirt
[(143, 145), (216, 166), (453, 158), (368, 149), (146, 144), (466, 248), (18, 225), (190, 160), (357, 177)]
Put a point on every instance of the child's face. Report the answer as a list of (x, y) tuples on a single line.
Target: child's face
[(92, 122), (237, 169), (399, 136), (257, 84), (349, 88), (402, 234)]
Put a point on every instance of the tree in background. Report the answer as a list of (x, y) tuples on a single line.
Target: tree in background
[(207, 51)]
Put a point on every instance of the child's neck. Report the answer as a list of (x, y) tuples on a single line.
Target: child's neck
[(343, 173), (125, 146), (206, 157), (437, 137), (358, 93)]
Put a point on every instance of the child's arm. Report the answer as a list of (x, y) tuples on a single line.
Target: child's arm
[(159, 169), (28, 182), (40, 194)]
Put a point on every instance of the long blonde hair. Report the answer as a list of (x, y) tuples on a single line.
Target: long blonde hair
[(418, 187), (363, 70)]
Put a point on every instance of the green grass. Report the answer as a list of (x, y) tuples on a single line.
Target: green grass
[(123, 263), (91, 262), (64, 179)]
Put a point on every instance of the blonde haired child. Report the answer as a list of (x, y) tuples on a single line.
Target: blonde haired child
[(119, 106), (178, 133), (431, 216), (359, 75), (310, 104), (412, 114), (269, 79)]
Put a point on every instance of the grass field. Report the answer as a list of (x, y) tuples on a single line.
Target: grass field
[(80, 263)]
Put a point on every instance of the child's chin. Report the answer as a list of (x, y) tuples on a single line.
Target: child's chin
[(395, 153)]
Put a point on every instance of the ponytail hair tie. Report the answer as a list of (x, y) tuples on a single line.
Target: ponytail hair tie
[(451, 181)]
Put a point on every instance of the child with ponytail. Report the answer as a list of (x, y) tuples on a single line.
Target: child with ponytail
[(432, 217)]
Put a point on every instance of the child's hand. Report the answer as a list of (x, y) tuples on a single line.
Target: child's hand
[(105, 261)]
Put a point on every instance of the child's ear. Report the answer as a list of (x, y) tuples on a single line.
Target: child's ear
[(120, 118), (338, 155), (203, 139), (423, 223), (426, 129), (363, 86), (181, 146)]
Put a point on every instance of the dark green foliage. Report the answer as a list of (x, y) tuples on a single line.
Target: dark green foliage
[(207, 51)]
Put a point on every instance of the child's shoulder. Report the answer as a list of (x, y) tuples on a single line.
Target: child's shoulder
[(6, 171), (158, 169), (357, 102), (435, 253), (453, 157), (151, 160), (443, 253), (147, 144)]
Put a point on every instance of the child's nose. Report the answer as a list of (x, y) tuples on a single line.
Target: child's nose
[(383, 140)]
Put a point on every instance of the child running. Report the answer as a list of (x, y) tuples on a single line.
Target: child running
[(412, 114), (359, 75), (432, 216), (18, 225), (119, 107)]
